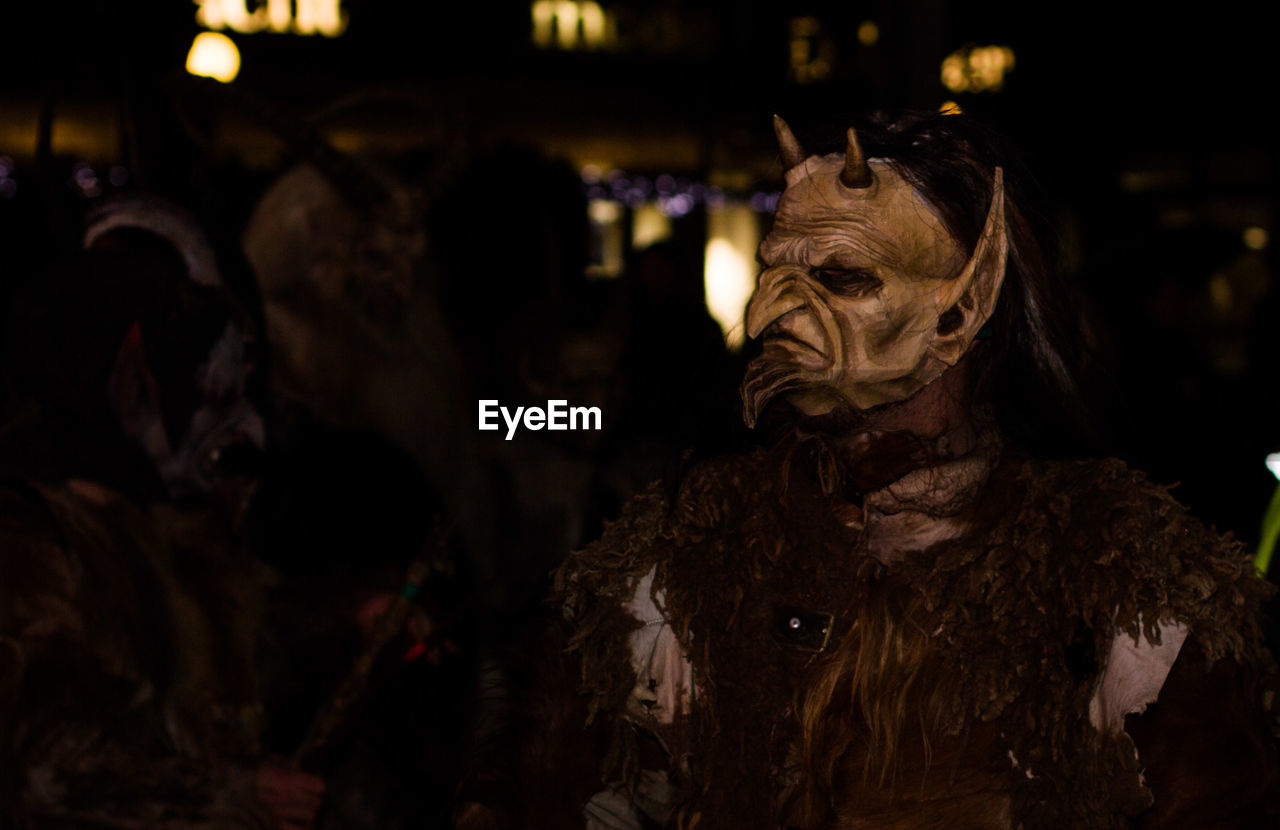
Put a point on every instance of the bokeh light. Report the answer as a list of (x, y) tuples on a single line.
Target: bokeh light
[(214, 56)]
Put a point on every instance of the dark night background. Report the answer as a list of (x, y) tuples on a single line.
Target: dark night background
[(1151, 129)]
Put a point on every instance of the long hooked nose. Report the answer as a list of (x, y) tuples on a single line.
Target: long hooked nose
[(777, 294)]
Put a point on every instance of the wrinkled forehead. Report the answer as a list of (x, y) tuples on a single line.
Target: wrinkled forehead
[(888, 223)]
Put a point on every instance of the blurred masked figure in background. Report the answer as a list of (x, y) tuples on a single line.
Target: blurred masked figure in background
[(128, 613)]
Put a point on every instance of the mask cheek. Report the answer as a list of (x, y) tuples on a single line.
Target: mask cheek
[(886, 338), (814, 325)]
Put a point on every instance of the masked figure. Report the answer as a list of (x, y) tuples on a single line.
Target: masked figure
[(130, 625), (896, 612)]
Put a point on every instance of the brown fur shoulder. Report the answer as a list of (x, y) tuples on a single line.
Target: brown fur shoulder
[(1093, 542), (1064, 556), (1142, 555)]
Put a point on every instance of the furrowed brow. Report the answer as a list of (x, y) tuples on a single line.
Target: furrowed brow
[(870, 247)]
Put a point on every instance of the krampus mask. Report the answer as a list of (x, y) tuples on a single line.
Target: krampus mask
[(865, 297), (220, 425)]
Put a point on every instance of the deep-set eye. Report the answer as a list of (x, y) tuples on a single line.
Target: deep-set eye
[(848, 281)]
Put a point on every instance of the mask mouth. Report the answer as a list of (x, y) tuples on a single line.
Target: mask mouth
[(781, 337), (771, 374), (782, 344), (788, 361)]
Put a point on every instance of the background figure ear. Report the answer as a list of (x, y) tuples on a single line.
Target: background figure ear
[(135, 396), (968, 301)]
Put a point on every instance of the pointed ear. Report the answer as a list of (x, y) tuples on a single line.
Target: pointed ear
[(135, 396), (969, 300)]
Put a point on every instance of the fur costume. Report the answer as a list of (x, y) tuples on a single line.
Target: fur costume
[(970, 705), (127, 693), (887, 618)]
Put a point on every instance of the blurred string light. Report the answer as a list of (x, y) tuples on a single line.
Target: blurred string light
[(673, 196), (214, 56), (812, 53), (569, 25), (84, 178), (868, 33), (977, 68), (1255, 238), (733, 231), (299, 17)]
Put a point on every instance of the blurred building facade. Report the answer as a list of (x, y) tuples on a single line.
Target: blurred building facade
[(1151, 132)]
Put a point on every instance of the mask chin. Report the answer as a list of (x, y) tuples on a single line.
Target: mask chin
[(829, 410), (819, 399)]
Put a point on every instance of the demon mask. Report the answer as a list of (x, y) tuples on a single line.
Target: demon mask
[(865, 297), (222, 427)]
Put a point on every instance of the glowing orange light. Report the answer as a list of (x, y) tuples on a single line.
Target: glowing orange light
[(977, 68), (571, 24), (303, 17), (812, 54), (214, 56), (648, 226), (729, 267)]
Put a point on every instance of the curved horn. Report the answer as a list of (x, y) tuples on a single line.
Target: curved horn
[(792, 153), (856, 172)]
